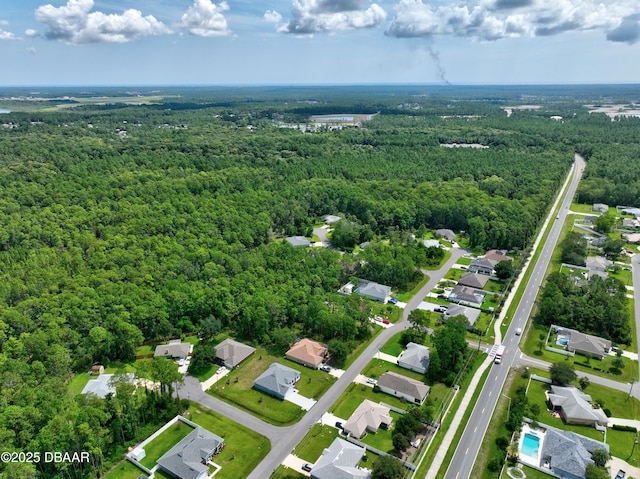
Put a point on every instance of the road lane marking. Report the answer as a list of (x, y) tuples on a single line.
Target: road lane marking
[(475, 429), (483, 410), (466, 452)]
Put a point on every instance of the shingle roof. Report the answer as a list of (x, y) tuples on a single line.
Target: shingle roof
[(588, 343), (568, 451), (483, 262), (340, 461), (464, 293), (278, 378), (232, 353), (186, 459), (405, 385), (598, 262), (328, 219), (431, 243), (576, 405), (456, 309), (173, 350), (446, 233), (308, 352), (368, 415), (298, 241), (475, 280), (497, 255), (100, 385), (416, 355), (372, 289)]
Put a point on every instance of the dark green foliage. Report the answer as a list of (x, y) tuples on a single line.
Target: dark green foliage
[(573, 249), (562, 373), (502, 442), (449, 351), (594, 471), (600, 456), (504, 269), (387, 467), (400, 442), (620, 427)]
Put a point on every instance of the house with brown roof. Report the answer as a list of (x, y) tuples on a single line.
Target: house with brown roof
[(369, 416), (497, 255), (398, 385), (308, 353), (231, 353)]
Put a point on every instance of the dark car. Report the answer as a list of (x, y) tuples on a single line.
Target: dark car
[(339, 425), (307, 467), (393, 301)]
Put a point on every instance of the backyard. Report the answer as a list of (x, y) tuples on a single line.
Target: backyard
[(165, 441)]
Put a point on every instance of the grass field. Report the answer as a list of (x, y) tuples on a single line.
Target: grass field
[(317, 439), (285, 473), (351, 398), (382, 438), (124, 470), (377, 367), (406, 297), (393, 346), (165, 441), (207, 373)]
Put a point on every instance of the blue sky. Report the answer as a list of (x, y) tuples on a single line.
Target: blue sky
[(204, 42)]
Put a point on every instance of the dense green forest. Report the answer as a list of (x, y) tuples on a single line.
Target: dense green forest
[(123, 223)]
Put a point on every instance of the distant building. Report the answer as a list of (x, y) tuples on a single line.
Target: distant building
[(188, 459), (431, 243), (277, 381), (415, 358), (298, 241), (374, 291), (174, 350), (471, 314), (473, 280), (447, 234), (97, 370), (330, 219), (101, 386), (401, 386), (600, 208), (308, 353), (231, 353), (369, 416), (497, 255), (482, 266), (585, 344), (598, 263), (466, 295)]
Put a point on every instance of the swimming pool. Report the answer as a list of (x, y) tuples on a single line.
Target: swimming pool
[(530, 445), (562, 340)]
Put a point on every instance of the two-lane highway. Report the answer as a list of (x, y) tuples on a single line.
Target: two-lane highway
[(467, 450)]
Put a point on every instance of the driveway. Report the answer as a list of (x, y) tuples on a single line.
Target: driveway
[(296, 398), (217, 376), (329, 419), (615, 464), (295, 463), (361, 379), (386, 357)]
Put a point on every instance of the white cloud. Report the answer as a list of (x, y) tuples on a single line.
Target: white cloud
[(272, 16), (73, 23), (4, 35), (496, 19), (32, 50), (31, 33), (205, 19), (318, 16)]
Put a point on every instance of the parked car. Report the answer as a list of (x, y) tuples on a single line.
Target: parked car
[(385, 321), (339, 425), (464, 267), (621, 474), (440, 309), (325, 368), (307, 467), (371, 381), (393, 301)]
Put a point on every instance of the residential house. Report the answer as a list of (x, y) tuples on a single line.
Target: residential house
[(588, 345), (447, 234), (600, 208), (575, 406), (369, 416), (97, 370), (482, 266), (401, 386), (277, 381), (471, 314), (466, 295), (188, 459), (173, 350), (308, 353), (497, 255), (431, 243), (631, 238), (101, 386), (340, 461), (298, 241), (598, 263), (231, 353), (330, 219), (629, 223), (374, 291), (414, 358), (626, 210), (566, 453), (473, 280)]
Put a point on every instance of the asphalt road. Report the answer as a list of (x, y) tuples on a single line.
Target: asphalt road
[(466, 452), (284, 439)]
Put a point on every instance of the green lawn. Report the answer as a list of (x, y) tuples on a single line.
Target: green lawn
[(393, 346), (377, 367), (495, 286), (165, 441), (351, 398), (464, 261), (454, 274), (120, 368), (124, 470), (445, 258), (207, 373), (78, 382), (382, 438), (581, 208), (622, 275), (285, 473), (317, 439), (145, 349), (243, 450), (237, 388)]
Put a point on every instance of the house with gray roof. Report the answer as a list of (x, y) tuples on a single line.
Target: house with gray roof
[(398, 385), (415, 358), (374, 291), (447, 234), (298, 241), (368, 417), (466, 295), (173, 350), (598, 263), (231, 353), (566, 453), (188, 459), (575, 406), (340, 461), (585, 344), (627, 210), (471, 314), (600, 208), (101, 386), (482, 266), (330, 219), (431, 243), (473, 280), (277, 381)]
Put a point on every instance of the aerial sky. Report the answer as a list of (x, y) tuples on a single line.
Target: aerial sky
[(289, 42)]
